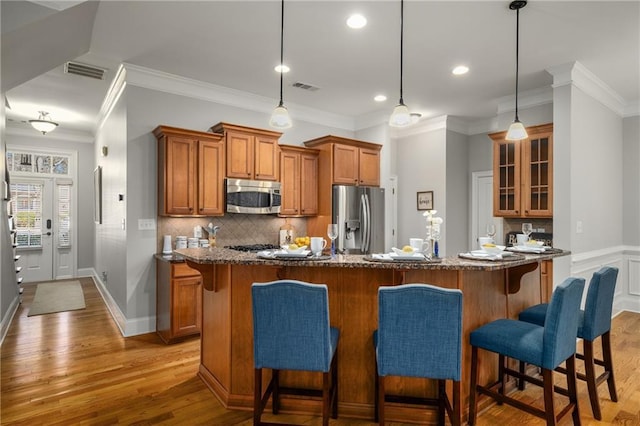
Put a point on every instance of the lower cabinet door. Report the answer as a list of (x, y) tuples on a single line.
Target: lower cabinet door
[(186, 315)]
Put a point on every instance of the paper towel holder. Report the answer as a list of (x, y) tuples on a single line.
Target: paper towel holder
[(166, 249)]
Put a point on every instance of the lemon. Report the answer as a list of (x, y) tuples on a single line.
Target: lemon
[(293, 246), (488, 245), (407, 249)]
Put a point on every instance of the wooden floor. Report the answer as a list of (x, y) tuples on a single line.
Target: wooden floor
[(76, 368)]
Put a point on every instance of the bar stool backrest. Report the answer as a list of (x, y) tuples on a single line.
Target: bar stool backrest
[(291, 328), (419, 331), (561, 322), (599, 303)]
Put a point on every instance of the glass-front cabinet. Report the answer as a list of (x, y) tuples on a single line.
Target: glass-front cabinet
[(523, 174)]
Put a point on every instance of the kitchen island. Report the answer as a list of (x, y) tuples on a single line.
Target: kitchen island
[(491, 290)]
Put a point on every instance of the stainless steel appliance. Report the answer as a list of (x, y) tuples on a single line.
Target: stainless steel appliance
[(253, 196), (359, 213)]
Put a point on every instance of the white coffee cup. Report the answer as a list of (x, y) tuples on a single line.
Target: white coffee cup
[(484, 240), (522, 239), (317, 245), (418, 244)]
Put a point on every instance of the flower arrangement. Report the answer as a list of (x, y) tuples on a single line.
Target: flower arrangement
[(433, 230)]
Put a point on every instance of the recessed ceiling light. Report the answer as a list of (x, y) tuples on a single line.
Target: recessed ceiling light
[(282, 68), (356, 21), (380, 98), (460, 69)]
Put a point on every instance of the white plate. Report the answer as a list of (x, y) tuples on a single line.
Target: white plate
[(284, 254), (407, 256), (527, 249)]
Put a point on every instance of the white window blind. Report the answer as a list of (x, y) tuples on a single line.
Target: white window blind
[(27, 207), (64, 214)]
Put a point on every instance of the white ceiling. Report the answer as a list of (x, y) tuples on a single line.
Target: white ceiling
[(235, 44)]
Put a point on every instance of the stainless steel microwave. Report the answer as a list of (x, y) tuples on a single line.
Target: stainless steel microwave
[(253, 196)]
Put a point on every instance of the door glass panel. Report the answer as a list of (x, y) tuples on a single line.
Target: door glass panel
[(64, 216), (26, 199)]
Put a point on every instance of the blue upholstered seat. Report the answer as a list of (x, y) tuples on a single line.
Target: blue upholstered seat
[(420, 335), (545, 346), (291, 331), (594, 321)]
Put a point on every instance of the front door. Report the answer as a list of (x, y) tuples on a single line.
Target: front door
[(482, 209), (33, 215)]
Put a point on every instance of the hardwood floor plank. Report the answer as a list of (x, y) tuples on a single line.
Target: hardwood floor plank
[(76, 368)]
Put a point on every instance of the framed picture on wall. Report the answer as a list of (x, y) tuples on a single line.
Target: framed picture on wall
[(97, 193), (425, 200)]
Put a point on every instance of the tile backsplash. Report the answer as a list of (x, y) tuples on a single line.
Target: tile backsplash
[(234, 229)]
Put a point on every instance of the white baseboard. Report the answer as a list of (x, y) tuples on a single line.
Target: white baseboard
[(86, 272), (8, 317), (128, 327)]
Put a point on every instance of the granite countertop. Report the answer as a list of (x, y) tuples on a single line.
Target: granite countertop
[(219, 255), (171, 258)]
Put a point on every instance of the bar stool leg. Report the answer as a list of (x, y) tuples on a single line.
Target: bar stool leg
[(572, 388), (380, 398), (442, 396), (455, 418), (547, 380), (473, 394), (592, 386), (608, 365)]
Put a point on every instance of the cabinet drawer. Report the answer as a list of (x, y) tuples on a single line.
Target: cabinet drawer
[(182, 270)]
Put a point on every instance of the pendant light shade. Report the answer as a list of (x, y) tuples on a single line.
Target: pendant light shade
[(280, 116), (400, 116), (43, 124), (517, 131)]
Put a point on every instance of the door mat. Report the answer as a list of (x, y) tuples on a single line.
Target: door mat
[(57, 297)]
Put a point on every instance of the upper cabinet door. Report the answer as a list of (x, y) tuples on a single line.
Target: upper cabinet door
[(538, 176), (506, 178), (180, 169), (290, 179), (345, 164), (240, 155), (211, 177), (369, 170), (523, 174), (267, 157), (309, 184)]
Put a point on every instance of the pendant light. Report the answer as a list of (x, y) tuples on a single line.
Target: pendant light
[(400, 116), (43, 124), (280, 117), (517, 131)]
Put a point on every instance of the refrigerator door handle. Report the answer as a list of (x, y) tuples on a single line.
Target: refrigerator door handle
[(363, 223), (366, 231)]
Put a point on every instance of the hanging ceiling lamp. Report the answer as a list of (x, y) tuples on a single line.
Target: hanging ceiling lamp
[(43, 124), (400, 116), (517, 131), (280, 117)]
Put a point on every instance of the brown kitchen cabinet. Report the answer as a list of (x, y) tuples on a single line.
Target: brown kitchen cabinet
[(352, 162), (299, 178), (341, 161), (190, 172), (178, 301), (523, 174), (251, 153)]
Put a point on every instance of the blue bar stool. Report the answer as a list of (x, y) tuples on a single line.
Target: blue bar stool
[(595, 321), (419, 335), (544, 346), (291, 331)]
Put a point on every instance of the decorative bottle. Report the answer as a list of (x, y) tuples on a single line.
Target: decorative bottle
[(287, 233)]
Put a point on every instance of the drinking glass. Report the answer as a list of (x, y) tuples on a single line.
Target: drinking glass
[(332, 233), (527, 229), (491, 231)]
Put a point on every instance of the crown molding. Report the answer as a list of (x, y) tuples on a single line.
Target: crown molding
[(170, 83), (578, 75), (114, 92), (421, 127), (632, 109), (529, 99)]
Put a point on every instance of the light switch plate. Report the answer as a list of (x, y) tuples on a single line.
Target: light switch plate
[(146, 224)]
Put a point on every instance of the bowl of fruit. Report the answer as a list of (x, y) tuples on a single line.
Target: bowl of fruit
[(493, 249), (293, 248), (404, 251)]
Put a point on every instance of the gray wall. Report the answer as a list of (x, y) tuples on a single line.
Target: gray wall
[(457, 193), (631, 181)]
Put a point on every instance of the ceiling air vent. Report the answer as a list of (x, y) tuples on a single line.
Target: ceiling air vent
[(84, 70), (305, 86)]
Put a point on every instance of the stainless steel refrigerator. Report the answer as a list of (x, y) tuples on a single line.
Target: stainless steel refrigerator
[(359, 213)]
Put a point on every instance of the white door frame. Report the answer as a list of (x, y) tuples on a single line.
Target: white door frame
[(475, 206), (71, 254)]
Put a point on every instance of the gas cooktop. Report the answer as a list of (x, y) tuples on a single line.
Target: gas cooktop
[(253, 247)]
